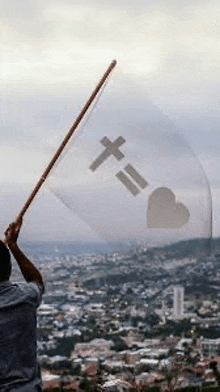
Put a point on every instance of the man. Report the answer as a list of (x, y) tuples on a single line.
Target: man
[(19, 370)]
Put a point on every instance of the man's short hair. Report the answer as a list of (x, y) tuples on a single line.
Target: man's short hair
[(5, 262)]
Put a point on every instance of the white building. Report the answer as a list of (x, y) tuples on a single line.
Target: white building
[(178, 302), (210, 347)]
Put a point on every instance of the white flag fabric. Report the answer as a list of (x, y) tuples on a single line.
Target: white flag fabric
[(131, 175)]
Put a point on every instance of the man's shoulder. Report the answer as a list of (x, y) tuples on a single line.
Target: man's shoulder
[(37, 287), (24, 292), (32, 289)]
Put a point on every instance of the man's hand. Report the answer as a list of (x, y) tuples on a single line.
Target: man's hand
[(12, 232), (28, 269)]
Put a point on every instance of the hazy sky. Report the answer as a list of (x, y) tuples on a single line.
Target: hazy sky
[(52, 55)]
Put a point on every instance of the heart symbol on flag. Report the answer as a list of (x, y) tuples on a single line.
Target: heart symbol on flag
[(164, 212)]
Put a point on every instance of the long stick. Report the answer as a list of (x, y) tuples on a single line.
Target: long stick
[(65, 141)]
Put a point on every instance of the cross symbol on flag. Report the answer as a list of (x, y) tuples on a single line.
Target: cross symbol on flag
[(112, 148)]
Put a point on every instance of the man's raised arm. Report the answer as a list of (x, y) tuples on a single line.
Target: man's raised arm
[(29, 271)]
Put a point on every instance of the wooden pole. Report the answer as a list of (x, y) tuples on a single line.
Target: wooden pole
[(65, 141)]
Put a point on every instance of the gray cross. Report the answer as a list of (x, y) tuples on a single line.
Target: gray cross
[(111, 148)]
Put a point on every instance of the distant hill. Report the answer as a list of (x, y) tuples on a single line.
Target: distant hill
[(193, 247), (190, 248)]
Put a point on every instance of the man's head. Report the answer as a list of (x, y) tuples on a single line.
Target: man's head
[(5, 262)]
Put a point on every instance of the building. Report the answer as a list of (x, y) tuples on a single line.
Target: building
[(210, 347), (178, 302)]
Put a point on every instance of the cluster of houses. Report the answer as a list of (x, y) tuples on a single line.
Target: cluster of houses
[(129, 320)]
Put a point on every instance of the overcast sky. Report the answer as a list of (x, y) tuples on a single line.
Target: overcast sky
[(52, 55)]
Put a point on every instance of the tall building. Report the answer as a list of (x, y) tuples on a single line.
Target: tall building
[(178, 301)]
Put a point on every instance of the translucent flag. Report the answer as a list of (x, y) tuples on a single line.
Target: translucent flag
[(131, 175)]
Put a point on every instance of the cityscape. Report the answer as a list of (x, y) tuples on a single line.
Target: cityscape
[(136, 320)]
